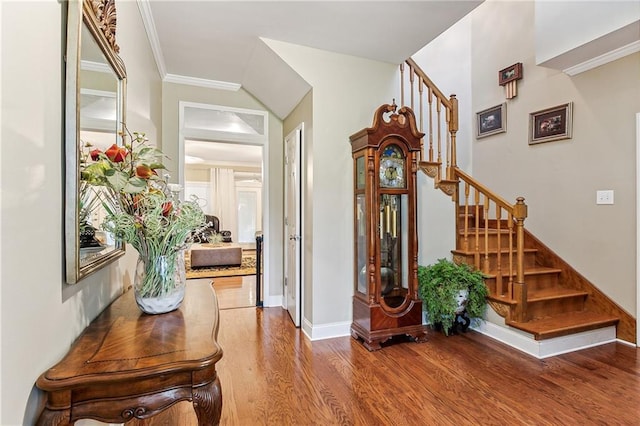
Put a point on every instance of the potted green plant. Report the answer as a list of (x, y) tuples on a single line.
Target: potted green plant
[(451, 291)]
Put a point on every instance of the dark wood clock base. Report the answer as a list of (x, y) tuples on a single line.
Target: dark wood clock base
[(373, 340), (374, 326)]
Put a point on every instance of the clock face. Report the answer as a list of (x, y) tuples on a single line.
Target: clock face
[(392, 168)]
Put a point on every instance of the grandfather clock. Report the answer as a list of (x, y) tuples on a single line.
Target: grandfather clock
[(385, 300)]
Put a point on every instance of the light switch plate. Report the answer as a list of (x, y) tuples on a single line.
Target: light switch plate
[(604, 197)]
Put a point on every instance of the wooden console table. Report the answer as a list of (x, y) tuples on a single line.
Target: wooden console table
[(127, 364)]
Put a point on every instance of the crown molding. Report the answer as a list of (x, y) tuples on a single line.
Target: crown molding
[(152, 35), (201, 82), (154, 41), (95, 66), (604, 58)]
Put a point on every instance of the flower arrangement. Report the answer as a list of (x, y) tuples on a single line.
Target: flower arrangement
[(142, 209)]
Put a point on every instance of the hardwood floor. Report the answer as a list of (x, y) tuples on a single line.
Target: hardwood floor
[(272, 375), (233, 292)]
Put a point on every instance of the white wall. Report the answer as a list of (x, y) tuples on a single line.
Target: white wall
[(40, 314), (436, 213), (566, 30), (559, 179), (346, 92)]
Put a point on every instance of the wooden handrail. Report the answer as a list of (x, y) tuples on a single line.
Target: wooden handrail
[(427, 82), (484, 190), (450, 105)]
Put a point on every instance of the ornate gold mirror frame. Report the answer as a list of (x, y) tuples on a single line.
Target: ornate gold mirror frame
[(94, 113)]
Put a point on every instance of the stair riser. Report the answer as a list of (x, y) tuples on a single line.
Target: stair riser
[(469, 259), (492, 240), (554, 307), (533, 282), (491, 284), (471, 220)]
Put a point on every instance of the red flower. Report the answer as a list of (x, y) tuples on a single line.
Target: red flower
[(166, 208), (144, 172), (95, 154), (116, 153)]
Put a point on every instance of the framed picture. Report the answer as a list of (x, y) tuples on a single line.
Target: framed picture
[(514, 72), (551, 124), (491, 121)]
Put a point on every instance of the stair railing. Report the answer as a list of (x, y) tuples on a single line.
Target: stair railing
[(441, 118), (493, 214), (490, 212)]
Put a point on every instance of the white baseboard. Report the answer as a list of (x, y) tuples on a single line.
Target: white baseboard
[(326, 331), (510, 336), (273, 301), (624, 342), (549, 347)]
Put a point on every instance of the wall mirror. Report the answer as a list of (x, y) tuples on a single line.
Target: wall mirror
[(95, 115)]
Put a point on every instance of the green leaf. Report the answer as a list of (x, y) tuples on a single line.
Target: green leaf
[(116, 179), (157, 166), (135, 185), (148, 155)]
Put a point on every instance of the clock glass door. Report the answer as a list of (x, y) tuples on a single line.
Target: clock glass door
[(361, 245), (394, 262)]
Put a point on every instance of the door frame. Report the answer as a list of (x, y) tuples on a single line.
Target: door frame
[(638, 229), (299, 207)]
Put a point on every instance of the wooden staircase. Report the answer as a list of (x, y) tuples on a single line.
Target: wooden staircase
[(554, 308), (530, 286)]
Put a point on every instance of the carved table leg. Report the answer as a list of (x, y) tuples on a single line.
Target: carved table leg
[(54, 418), (207, 403)]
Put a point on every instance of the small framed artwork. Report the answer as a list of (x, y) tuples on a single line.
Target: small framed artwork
[(491, 121), (511, 73), (551, 124)]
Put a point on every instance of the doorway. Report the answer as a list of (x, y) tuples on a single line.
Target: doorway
[(222, 151), (226, 178)]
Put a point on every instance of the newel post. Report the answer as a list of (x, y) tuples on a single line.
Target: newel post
[(519, 287)]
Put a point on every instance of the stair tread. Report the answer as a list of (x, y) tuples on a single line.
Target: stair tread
[(536, 295), (492, 251), (564, 324), (502, 298), (490, 231)]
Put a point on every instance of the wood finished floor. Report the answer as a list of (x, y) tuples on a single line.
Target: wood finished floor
[(233, 292), (272, 375)]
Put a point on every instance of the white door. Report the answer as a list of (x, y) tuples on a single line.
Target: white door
[(292, 282)]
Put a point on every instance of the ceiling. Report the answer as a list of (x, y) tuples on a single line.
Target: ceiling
[(220, 43)]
